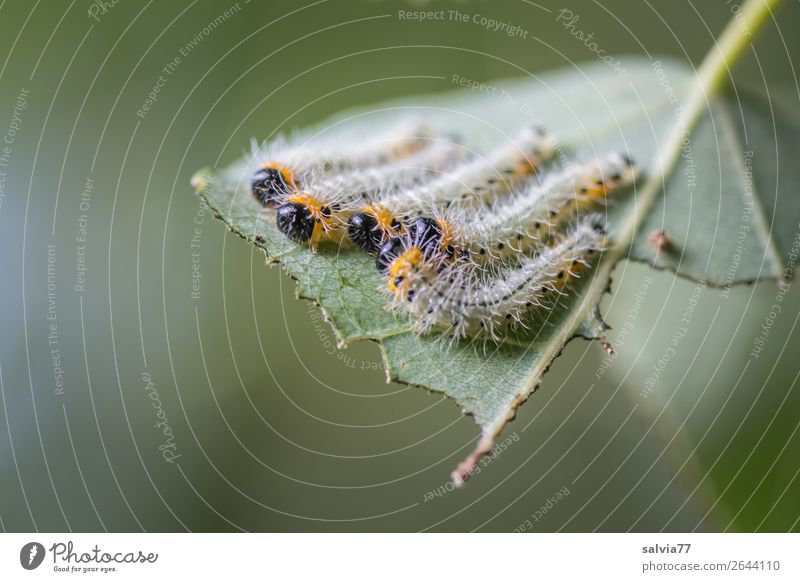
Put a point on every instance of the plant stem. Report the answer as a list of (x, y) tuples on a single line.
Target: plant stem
[(735, 38), (733, 41), (715, 68)]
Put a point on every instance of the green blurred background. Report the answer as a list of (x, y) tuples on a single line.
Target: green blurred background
[(274, 428)]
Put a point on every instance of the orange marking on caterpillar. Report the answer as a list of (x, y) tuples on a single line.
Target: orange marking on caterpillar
[(402, 267)]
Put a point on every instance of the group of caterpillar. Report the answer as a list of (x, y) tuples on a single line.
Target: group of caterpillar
[(474, 184), (462, 299), (317, 211), (467, 246), (525, 219)]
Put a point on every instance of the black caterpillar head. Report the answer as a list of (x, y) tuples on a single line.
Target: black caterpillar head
[(268, 184), (426, 234), (388, 252), (599, 227), (295, 221), (362, 228)]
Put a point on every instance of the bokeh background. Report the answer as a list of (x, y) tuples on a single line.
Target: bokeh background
[(274, 429)]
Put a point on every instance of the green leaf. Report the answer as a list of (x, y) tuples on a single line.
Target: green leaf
[(590, 109), (719, 206)]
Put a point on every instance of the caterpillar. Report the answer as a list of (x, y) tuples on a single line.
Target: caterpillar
[(523, 222), (289, 166), (318, 210), (529, 218), (476, 183), (464, 300)]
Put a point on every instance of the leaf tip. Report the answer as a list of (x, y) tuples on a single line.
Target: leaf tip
[(467, 467), (463, 471), (606, 345), (200, 180)]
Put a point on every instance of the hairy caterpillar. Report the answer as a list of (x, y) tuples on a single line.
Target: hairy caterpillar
[(529, 218), (289, 167), (318, 210), (474, 184), (463, 299), (515, 225)]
